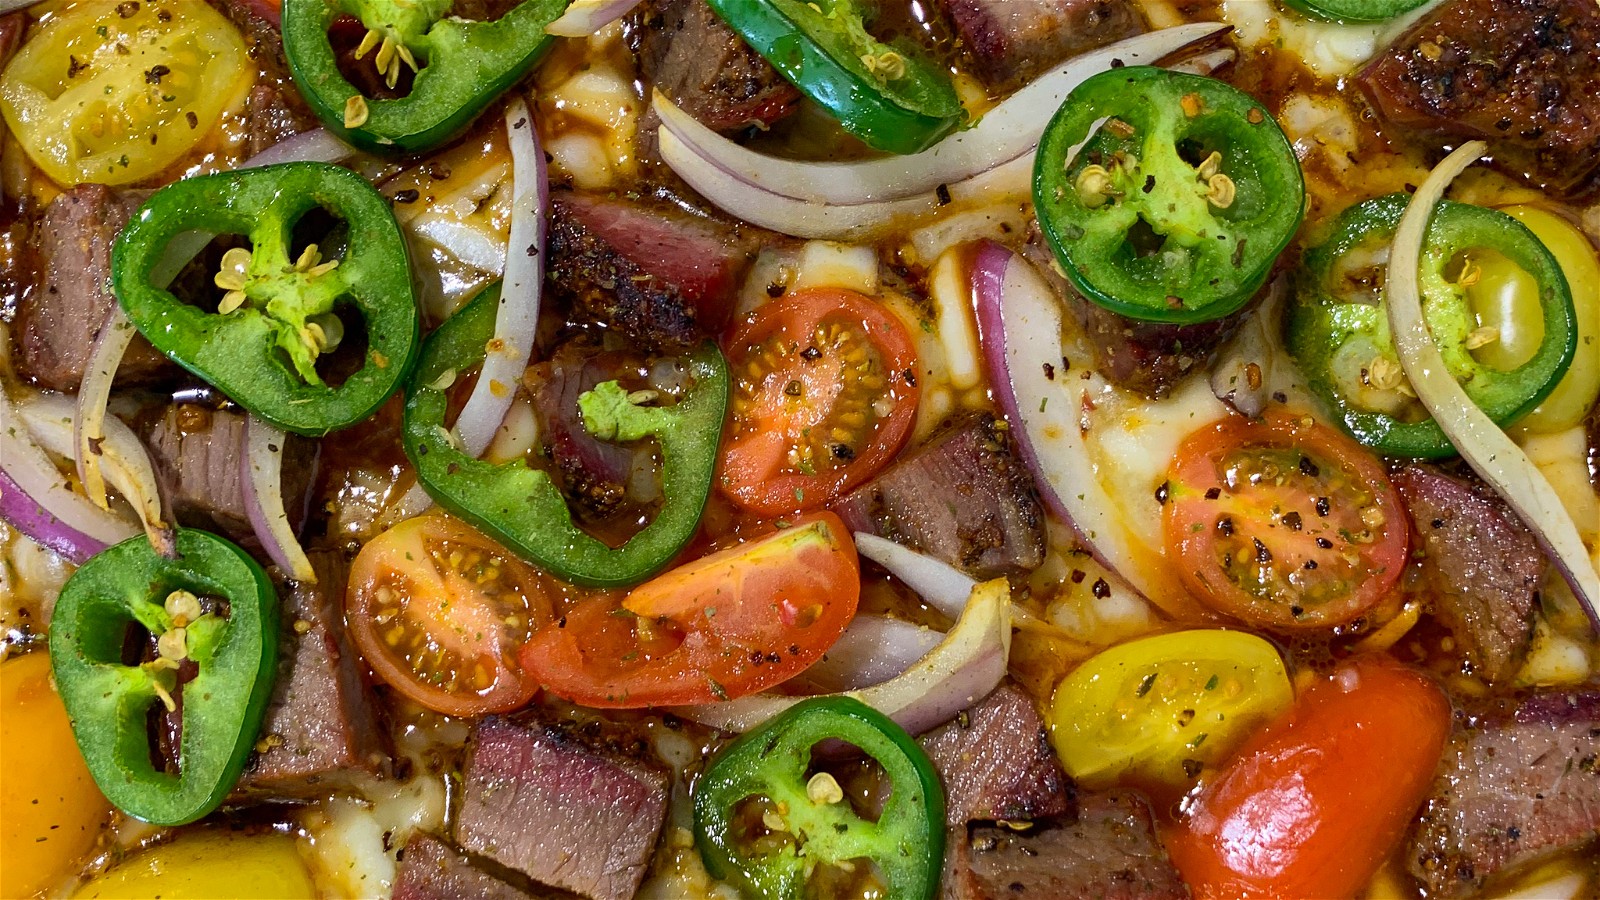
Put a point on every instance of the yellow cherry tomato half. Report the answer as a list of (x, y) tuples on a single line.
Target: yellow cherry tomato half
[(115, 92), (1575, 394), (50, 809), (1161, 708), (204, 865)]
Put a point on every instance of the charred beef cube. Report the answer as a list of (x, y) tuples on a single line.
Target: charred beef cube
[(199, 453), (430, 869), (273, 113), (274, 110), (538, 800), (1523, 75), (661, 277), (1109, 851), (1012, 41), (964, 497), (688, 53), (60, 317), (1481, 567), (996, 762), (1512, 789), (321, 732)]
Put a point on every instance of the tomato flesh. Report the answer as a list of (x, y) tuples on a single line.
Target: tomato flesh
[(738, 621), (1161, 708), (1313, 805), (115, 92), (1283, 523), (825, 393), (439, 611)]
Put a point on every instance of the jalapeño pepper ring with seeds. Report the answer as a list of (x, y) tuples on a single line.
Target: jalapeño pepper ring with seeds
[(521, 506), (261, 343), (460, 66), (212, 609), (800, 821), (1177, 207)]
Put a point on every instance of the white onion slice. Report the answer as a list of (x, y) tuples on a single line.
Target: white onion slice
[(518, 316), (94, 392), (585, 17), (939, 584), (1005, 133), (48, 510), (962, 669), (1485, 447), (871, 651), (261, 472), (1019, 325)]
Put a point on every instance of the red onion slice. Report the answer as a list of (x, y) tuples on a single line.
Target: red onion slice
[(963, 668), (88, 422), (874, 649), (316, 145), (518, 316), (1019, 325), (1482, 443), (1009, 131), (585, 17), (939, 584), (49, 421), (261, 473), (35, 497)]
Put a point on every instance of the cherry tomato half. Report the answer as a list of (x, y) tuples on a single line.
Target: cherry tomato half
[(115, 92), (1312, 805), (1283, 523), (824, 395), (439, 612), (729, 624), (1162, 707)]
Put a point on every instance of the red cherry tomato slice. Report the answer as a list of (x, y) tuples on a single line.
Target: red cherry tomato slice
[(1313, 804), (824, 395), (1284, 523), (729, 624), (439, 611)]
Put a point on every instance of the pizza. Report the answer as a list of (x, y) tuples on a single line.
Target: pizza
[(779, 449)]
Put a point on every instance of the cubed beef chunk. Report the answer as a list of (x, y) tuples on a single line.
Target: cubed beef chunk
[(274, 112), (538, 800), (1480, 568), (199, 454), (964, 497), (996, 762), (1523, 75), (706, 68), (1148, 357), (1108, 851), (430, 869), (59, 318), (321, 732), (1512, 789), (1011, 41), (660, 276)]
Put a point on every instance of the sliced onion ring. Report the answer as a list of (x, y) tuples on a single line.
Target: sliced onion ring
[(261, 473), (1019, 325), (94, 392), (962, 669), (35, 497), (1486, 448), (939, 584), (872, 650), (585, 17), (1005, 133), (518, 316)]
